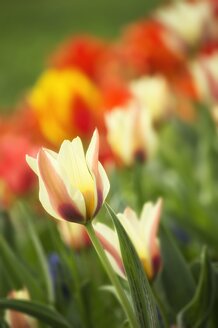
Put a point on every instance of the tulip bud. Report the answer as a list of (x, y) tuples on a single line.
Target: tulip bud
[(16, 319), (191, 21), (154, 93), (72, 186), (130, 133), (142, 232), (204, 72)]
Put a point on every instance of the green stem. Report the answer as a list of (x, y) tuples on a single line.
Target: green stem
[(112, 276)]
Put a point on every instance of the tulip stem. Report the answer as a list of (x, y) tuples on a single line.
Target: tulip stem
[(122, 297)]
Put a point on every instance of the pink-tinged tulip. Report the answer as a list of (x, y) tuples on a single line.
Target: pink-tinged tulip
[(74, 235), (143, 233), (72, 186), (16, 319), (130, 133)]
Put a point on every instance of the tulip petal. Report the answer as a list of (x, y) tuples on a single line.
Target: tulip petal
[(150, 218), (105, 181), (110, 243), (43, 194), (60, 200), (32, 162), (97, 171), (75, 172), (131, 224)]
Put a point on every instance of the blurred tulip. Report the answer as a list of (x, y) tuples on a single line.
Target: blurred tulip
[(148, 47), (74, 235), (72, 186), (21, 121), (191, 21), (16, 176), (154, 93), (143, 234), (84, 52), (66, 104), (204, 73), (130, 133), (16, 319)]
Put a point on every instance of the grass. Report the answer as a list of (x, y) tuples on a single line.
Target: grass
[(30, 30)]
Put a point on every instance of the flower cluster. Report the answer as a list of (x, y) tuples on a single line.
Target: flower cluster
[(134, 104)]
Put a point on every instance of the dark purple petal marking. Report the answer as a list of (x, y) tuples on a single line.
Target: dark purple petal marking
[(100, 201), (156, 264), (69, 213)]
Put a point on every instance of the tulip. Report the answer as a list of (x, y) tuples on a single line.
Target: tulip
[(72, 186), (130, 133), (16, 319), (204, 72), (66, 101), (198, 18), (148, 47), (154, 93), (142, 232), (82, 52)]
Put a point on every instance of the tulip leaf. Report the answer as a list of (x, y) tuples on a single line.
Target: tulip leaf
[(142, 297), (42, 262), (176, 278), (18, 272), (37, 310), (196, 313)]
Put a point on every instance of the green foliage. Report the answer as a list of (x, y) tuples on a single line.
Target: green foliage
[(18, 273), (176, 277), (36, 310), (198, 311)]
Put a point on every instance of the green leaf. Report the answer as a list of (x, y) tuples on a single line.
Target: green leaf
[(176, 278), (19, 272), (197, 312), (142, 297), (36, 310), (42, 262)]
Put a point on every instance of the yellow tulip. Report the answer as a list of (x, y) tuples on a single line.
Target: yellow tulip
[(142, 232), (66, 103), (72, 186)]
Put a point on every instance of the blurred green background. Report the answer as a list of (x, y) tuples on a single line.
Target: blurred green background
[(30, 30)]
